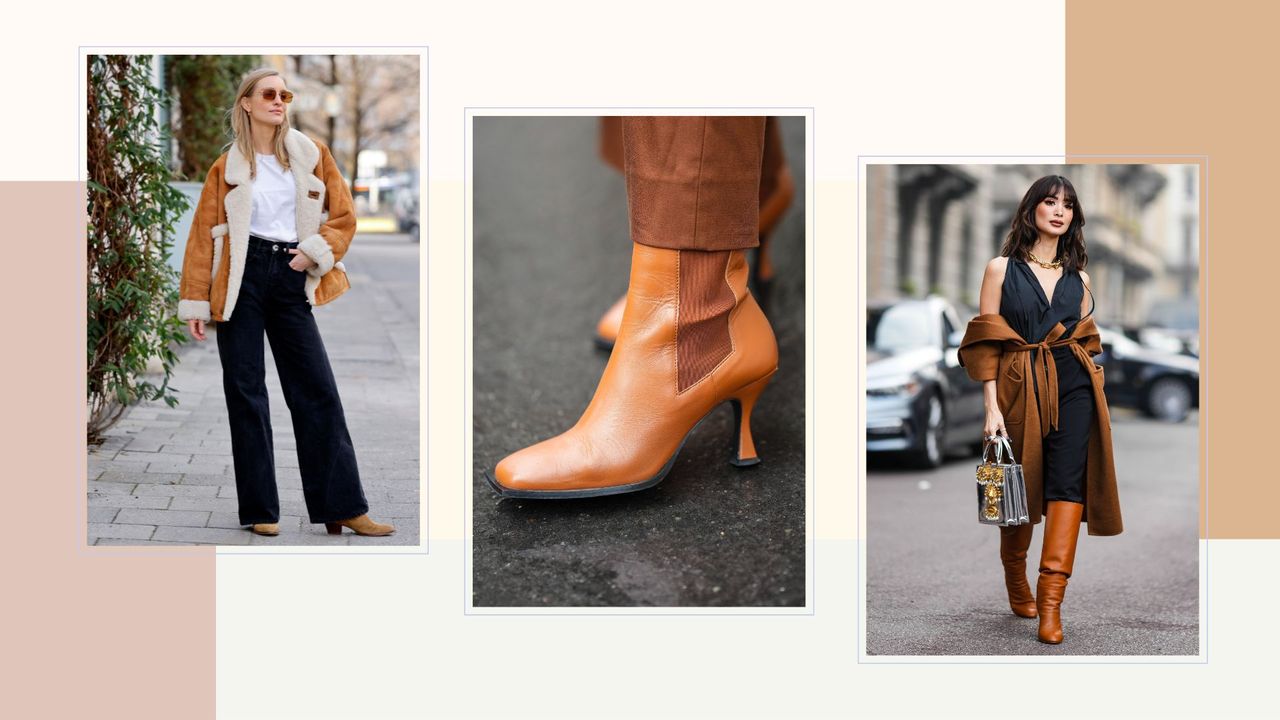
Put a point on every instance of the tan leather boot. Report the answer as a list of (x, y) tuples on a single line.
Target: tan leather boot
[(1061, 530), (360, 525), (1014, 542), (267, 529), (677, 358), (772, 209), (607, 327)]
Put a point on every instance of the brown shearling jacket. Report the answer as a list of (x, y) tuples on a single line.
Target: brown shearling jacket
[(992, 350), (213, 265)]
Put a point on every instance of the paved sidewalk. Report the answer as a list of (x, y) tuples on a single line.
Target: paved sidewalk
[(164, 476)]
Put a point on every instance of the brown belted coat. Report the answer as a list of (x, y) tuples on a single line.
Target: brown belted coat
[(992, 350)]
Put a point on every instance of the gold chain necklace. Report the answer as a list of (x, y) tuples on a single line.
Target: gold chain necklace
[(1046, 265)]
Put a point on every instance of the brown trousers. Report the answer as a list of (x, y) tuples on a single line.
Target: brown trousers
[(694, 182), (694, 185)]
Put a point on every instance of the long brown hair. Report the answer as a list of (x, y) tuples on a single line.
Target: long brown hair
[(240, 126), (1022, 229)]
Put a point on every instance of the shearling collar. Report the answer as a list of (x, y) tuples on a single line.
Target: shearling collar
[(304, 158), (304, 154)]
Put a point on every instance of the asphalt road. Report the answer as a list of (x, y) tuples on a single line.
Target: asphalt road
[(935, 585), (551, 253)]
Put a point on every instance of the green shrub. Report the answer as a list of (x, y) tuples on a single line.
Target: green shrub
[(132, 209), (204, 86)]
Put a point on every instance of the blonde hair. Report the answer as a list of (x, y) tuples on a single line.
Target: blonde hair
[(241, 126)]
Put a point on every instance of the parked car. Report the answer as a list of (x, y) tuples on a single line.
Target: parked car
[(1180, 342), (921, 404), (1164, 385)]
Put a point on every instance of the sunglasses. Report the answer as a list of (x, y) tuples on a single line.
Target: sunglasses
[(269, 95)]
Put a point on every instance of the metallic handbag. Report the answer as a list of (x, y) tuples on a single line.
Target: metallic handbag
[(1002, 492)]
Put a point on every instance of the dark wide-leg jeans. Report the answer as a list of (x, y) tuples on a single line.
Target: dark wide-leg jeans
[(272, 301)]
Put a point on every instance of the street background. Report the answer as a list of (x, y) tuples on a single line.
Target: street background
[(552, 252), (931, 229), (164, 475)]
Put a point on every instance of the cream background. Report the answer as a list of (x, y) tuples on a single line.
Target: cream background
[(385, 636)]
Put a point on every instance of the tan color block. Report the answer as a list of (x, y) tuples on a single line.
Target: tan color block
[(84, 624), (1188, 78)]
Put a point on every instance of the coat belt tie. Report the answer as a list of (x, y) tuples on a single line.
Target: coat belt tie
[(1046, 372)]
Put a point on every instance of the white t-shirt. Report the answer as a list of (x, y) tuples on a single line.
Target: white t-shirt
[(274, 202)]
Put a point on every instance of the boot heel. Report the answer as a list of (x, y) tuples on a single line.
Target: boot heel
[(743, 402), (333, 528)]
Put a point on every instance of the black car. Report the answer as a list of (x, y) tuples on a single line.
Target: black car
[(1164, 385), (920, 403)]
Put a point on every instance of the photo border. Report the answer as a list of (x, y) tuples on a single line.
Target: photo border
[(469, 113), (424, 292), (860, 627)]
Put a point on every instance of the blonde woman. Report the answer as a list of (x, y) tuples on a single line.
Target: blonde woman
[(274, 219)]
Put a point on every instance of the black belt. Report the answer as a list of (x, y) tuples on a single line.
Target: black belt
[(266, 244)]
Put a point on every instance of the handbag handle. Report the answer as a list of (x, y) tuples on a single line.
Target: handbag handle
[(1001, 444), (989, 442)]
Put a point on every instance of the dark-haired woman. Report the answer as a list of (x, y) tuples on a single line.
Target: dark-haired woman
[(1031, 346)]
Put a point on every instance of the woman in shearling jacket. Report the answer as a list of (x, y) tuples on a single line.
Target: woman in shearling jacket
[(1032, 348), (274, 220)]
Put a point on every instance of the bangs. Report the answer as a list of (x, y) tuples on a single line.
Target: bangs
[(1050, 186), (1053, 184)]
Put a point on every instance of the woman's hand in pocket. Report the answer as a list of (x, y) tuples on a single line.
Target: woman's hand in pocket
[(300, 261)]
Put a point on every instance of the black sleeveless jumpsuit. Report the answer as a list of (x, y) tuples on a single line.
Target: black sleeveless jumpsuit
[(1032, 315)]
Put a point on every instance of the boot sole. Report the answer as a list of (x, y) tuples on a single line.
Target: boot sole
[(507, 492)]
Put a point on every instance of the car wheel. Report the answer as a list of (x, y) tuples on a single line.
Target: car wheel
[(932, 449), (1169, 399)]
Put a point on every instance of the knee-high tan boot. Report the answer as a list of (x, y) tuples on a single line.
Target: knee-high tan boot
[(1014, 542), (1061, 530)]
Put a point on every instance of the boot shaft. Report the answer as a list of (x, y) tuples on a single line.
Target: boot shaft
[(1061, 532)]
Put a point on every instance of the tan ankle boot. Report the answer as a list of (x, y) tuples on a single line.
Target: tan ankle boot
[(1061, 530), (678, 356), (267, 529), (772, 207), (361, 525), (607, 327), (1014, 542)]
